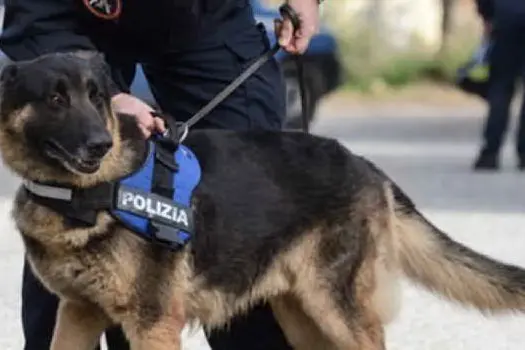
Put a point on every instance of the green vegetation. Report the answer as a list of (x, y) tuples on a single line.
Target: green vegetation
[(368, 67), (374, 57)]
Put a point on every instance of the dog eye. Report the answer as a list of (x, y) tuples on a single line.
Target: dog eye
[(97, 98), (57, 100), (95, 95)]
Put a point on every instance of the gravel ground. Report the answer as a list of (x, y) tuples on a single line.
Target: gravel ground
[(430, 159)]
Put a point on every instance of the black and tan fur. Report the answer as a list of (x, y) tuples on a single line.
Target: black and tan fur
[(292, 219)]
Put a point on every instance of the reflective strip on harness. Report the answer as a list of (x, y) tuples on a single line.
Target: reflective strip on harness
[(46, 191), (155, 207)]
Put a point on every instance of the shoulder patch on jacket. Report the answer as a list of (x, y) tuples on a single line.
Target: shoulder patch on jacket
[(104, 9)]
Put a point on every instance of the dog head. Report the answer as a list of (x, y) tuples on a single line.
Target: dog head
[(55, 116)]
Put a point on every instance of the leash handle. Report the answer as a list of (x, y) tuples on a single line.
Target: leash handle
[(288, 11), (305, 105)]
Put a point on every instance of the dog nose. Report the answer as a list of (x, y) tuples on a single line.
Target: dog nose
[(98, 145)]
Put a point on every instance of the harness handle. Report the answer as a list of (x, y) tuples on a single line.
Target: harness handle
[(175, 132)]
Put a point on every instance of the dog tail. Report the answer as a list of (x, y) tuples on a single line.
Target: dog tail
[(429, 257)]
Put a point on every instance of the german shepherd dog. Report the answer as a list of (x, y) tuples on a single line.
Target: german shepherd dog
[(291, 219)]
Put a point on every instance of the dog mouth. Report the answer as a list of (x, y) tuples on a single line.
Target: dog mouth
[(55, 150)]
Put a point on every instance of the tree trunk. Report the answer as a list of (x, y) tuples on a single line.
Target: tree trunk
[(375, 15), (446, 24)]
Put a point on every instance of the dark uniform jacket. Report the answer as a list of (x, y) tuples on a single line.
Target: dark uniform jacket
[(511, 10), (132, 28)]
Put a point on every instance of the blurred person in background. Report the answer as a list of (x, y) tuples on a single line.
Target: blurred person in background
[(504, 22)]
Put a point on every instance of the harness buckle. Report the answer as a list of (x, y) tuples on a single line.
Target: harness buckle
[(168, 237)]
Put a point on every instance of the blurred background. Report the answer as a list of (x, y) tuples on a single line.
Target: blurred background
[(391, 43), (389, 49)]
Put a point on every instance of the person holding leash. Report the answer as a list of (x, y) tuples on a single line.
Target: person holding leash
[(189, 50), (504, 23)]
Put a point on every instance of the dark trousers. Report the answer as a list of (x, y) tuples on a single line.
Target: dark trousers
[(507, 66), (183, 82)]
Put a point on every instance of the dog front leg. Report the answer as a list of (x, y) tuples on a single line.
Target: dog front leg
[(155, 329), (78, 326)]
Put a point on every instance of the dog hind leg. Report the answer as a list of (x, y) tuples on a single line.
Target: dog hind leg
[(300, 330), (347, 325), (78, 326)]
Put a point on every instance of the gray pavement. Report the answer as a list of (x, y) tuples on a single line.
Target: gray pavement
[(430, 158)]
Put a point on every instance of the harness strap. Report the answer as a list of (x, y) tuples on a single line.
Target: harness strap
[(80, 205), (162, 184), (47, 191)]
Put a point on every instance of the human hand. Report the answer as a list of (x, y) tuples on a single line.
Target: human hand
[(296, 40), (128, 104)]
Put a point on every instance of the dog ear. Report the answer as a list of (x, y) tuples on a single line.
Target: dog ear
[(8, 77), (89, 54), (9, 73), (97, 59)]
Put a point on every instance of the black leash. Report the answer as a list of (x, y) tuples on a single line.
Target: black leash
[(231, 87), (304, 96), (286, 11)]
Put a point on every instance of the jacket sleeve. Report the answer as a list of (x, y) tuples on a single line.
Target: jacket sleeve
[(486, 9), (33, 28)]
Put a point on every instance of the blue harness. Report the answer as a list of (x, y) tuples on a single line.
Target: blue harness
[(154, 202), (154, 216)]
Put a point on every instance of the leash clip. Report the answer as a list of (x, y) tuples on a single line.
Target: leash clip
[(176, 132)]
